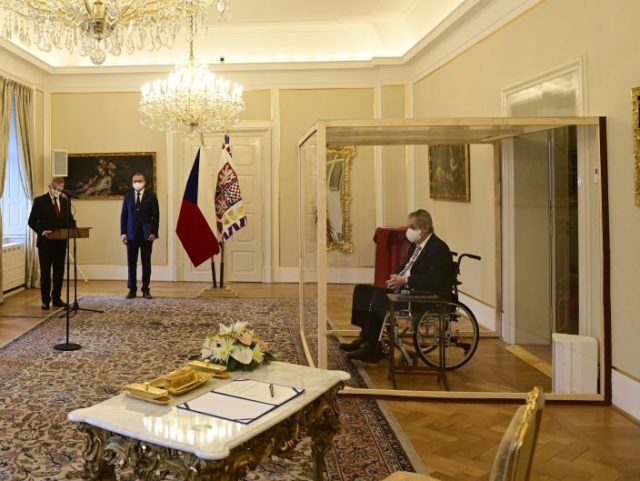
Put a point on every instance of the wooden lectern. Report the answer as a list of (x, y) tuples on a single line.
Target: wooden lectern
[(74, 233)]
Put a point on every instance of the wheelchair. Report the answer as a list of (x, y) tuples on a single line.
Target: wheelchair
[(430, 324)]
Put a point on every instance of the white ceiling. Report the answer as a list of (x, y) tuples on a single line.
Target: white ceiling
[(277, 31)]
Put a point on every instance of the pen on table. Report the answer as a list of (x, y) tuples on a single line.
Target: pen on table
[(271, 390)]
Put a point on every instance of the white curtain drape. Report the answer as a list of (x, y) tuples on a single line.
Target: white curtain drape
[(6, 89), (23, 105)]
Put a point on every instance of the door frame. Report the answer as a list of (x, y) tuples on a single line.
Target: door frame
[(176, 190), (590, 231)]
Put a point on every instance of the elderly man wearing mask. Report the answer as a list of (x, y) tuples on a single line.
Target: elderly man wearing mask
[(139, 224), (49, 213), (427, 267)]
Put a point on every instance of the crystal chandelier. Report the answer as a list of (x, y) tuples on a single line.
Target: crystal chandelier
[(191, 100), (95, 27)]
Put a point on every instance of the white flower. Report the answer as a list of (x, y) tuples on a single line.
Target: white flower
[(242, 354), (239, 327), (205, 353), (222, 349), (258, 354), (225, 330)]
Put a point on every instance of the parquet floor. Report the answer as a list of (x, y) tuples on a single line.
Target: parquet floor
[(457, 441)]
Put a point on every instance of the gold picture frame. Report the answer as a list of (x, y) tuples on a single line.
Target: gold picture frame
[(635, 125), (449, 172), (338, 164)]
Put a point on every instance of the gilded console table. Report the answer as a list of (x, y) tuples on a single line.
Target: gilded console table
[(157, 440)]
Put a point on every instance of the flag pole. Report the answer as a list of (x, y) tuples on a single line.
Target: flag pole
[(213, 271), (221, 267)]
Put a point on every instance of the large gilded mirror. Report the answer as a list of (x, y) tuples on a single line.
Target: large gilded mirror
[(339, 198)]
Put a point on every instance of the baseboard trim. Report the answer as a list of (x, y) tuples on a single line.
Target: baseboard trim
[(120, 272), (485, 315), (335, 275), (626, 393)]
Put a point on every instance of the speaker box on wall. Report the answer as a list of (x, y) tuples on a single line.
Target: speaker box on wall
[(60, 164)]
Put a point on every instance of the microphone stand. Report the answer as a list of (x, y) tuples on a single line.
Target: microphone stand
[(68, 346)]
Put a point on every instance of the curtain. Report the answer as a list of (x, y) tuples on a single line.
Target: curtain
[(6, 89), (23, 104)]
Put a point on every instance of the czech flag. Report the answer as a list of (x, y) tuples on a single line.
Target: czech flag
[(193, 229)]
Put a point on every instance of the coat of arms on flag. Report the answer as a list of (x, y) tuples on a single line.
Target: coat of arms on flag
[(230, 214)]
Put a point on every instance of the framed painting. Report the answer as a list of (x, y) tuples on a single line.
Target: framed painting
[(449, 172), (108, 176)]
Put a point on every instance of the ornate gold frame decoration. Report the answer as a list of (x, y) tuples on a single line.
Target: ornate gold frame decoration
[(635, 96), (346, 153)]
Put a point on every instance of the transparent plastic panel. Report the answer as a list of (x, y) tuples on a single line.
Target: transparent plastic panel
[(309, 246)]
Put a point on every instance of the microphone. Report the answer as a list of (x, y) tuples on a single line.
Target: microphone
[(68, 193)]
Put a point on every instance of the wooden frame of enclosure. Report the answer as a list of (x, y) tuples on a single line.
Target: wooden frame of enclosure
[(439, 131)]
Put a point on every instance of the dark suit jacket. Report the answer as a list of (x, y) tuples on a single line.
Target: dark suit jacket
[(147, 220), (43, 217), (433, 270)]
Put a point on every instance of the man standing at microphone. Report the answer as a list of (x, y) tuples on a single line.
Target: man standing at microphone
[(139, 224), (48, 213)]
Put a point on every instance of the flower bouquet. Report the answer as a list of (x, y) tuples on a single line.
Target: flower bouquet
[(237, 347)]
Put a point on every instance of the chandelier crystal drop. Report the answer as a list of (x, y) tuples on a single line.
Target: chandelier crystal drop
[(97, 27), (191, 100)]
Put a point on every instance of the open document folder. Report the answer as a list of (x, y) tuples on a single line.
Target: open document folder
[(242, 400)]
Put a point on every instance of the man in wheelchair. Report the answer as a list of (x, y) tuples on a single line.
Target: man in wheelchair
[(427, 267)]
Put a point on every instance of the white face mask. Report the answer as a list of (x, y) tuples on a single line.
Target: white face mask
[(138, 186), (55, 192), (413, 235)]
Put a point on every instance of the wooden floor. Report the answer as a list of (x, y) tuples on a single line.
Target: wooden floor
[(457, 441)]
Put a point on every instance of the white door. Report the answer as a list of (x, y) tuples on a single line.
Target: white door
[(243, 252)]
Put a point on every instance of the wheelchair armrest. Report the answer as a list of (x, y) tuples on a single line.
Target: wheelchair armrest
[(415, 292)]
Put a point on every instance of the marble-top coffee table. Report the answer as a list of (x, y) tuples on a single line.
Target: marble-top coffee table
[(156, 440)]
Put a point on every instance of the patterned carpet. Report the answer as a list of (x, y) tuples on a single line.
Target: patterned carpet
[(140, 339)]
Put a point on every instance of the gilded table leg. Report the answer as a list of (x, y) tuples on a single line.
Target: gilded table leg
[(96, 467), (322, 431)]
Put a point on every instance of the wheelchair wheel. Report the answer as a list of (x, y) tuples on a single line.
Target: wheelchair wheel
[(460, 337)]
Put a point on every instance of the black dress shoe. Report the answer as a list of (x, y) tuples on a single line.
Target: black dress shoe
[(352, 346), (59, 303), (45, 306), (147, 295), (366, 353), (131, 295)]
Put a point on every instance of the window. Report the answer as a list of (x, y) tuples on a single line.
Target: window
[(15, 204)]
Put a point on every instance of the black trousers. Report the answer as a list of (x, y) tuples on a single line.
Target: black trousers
[(368, 310), (144, 247), (51, 254)]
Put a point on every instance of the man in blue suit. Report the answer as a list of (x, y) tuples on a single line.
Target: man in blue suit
[(139, 223)]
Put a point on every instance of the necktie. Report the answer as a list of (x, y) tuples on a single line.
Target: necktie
[(138, 201), (56, 207), (413, 259)]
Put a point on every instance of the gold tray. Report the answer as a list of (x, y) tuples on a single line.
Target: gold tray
[(145, 390), (159, 400), (206, 366), (181, 380)]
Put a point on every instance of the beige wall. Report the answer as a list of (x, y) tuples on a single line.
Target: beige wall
[(394, 165), (108, 122), (466, 226), (299, 109), (257, 105), (550, 35)]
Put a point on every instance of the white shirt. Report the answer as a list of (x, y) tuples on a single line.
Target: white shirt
[(422, 244)]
